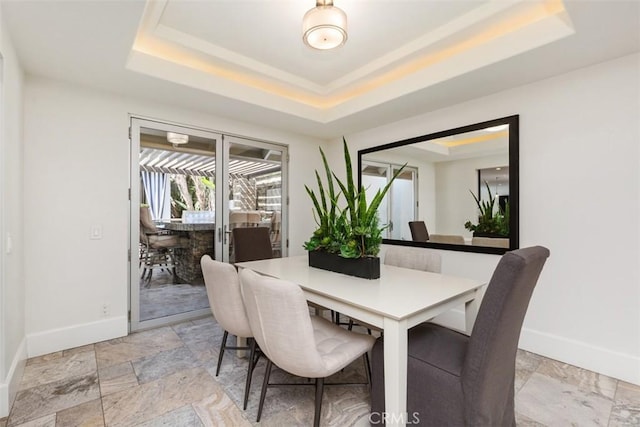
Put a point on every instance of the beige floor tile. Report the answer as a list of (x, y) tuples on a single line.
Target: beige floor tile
[(551, 402), (86, 415), (44, 358), (115, 371), (46, 421), (586, 381), (36, 402), (117, 384), (184, 417), (626, 409), (136, 346), (217, 410), (81, 349), (58, 368), (151, 400)]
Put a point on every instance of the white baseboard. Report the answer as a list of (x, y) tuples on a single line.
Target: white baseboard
[(53, 340), (9, 387), (614, 364)]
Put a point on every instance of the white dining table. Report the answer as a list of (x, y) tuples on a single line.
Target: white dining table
[(400, 299)]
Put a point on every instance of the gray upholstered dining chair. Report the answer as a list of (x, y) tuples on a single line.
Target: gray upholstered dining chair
[(303, 345), (455, 379), (225, 299), (252, 243), (419, 231)]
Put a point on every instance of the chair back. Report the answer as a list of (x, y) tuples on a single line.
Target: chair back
[(225, 297), (244, 219), (489, 366), (415, 258), (279, 318), (450, 239), (147, 225), (494, 242), (252, 243), (419, 231)]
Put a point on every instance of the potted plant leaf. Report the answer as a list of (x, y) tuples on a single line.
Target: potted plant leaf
[(348, 236), (492, 222)]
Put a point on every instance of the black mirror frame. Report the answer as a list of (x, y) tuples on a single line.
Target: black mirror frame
[(514, 182)]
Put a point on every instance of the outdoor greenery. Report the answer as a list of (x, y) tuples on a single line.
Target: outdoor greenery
[(191, 193), (353, 230), (490, 220)]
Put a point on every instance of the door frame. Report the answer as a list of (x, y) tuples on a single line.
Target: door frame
[(222, 144), (136, 124), (223, 231)]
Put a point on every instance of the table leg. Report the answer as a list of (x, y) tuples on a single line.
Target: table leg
[(395, 372)]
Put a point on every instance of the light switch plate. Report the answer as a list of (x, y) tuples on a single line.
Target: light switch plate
[(96, 232)]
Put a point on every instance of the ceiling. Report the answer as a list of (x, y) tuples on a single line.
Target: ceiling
[(245, 60)]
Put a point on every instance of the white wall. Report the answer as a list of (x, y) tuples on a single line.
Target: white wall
[(12, 294), (579, 196), (76, 174), (454, 203)]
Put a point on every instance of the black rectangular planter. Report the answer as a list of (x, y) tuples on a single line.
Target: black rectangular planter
[(367, 268)]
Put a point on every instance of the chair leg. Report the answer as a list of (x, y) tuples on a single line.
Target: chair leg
[(222, 346), (350, 327), (265, 383), (247, 385), (367, 369), (318, 410)]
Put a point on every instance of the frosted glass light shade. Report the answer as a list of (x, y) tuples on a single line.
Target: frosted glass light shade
[(177, 138), (324, 27)]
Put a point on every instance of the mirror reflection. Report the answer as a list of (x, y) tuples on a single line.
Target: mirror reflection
[(459, 187)]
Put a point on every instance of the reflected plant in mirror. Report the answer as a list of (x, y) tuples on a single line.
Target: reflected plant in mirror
[(441, 169), (493, 218)]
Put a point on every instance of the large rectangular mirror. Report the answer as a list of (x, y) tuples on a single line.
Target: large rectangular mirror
[(458, 190)]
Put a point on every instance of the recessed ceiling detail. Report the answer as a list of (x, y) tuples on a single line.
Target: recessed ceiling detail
[(212, 46)]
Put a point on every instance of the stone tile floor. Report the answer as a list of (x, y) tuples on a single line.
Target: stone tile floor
[(166, 377), (161, 297)]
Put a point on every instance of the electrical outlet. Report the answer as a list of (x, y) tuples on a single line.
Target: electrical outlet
[(105, 310)]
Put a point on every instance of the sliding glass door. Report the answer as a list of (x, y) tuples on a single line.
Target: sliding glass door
[(188, 188), (255, 173)]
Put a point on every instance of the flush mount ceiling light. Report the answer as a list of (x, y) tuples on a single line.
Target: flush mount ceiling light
[(177, 138), (325, 26)]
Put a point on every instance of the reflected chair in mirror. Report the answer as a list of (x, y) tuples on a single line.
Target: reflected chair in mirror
[(492, 242), (225, 299), (419, 231), (455, 379), (446, 238), (157, 247), (252, 244), (296, 342)]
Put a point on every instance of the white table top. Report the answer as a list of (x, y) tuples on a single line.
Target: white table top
[(398, 294)]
